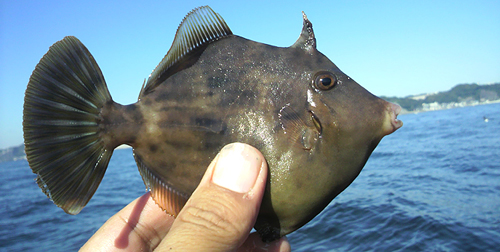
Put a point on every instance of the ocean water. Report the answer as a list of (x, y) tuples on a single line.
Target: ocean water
[(434, 185)]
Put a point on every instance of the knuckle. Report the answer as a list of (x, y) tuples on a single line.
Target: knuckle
[(213, 215)]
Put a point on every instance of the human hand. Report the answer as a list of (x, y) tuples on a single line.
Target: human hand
[(218, 216)]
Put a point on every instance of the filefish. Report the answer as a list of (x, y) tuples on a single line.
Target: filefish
[(315, 125)]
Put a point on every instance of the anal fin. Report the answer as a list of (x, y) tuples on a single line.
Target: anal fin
[(169, 199)]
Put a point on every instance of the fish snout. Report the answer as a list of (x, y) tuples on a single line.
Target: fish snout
[(392, 123)]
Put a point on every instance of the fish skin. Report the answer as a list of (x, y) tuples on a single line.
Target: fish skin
[(236, 90), (241, 102)]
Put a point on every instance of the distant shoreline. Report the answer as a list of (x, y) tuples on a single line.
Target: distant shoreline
[(461, 95), (435, 106)]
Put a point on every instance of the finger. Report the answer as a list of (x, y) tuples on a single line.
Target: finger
[(222, 210), (255, 244), (140, 226)]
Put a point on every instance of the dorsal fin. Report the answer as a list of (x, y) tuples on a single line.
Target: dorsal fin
[(306, 40), (199, 28)]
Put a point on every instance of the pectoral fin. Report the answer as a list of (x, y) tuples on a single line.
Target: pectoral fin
[(303, 132)]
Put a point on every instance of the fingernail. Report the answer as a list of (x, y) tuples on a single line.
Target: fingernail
[(237, 167)]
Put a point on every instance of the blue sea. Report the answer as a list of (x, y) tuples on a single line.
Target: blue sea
[(434, 185)]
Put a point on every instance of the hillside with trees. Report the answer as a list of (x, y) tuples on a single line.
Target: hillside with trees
[(459, 96), (12, 154)]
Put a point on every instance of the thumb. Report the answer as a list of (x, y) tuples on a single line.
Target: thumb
[(221, 212)]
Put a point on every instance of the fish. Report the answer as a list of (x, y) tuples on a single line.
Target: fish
[(315, 125)]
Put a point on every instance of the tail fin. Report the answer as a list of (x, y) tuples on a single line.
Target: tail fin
[(61, 124)]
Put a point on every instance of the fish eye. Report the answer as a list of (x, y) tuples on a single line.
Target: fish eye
[(324, 80)]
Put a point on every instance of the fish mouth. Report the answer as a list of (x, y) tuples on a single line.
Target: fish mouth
[(394, 123)]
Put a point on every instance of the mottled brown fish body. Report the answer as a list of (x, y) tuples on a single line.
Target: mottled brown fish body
[(229, 96), (315, 125)]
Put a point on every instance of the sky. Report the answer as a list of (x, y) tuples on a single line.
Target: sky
[(392, 48)]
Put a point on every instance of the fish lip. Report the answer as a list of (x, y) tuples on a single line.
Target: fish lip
[(393, 111)]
